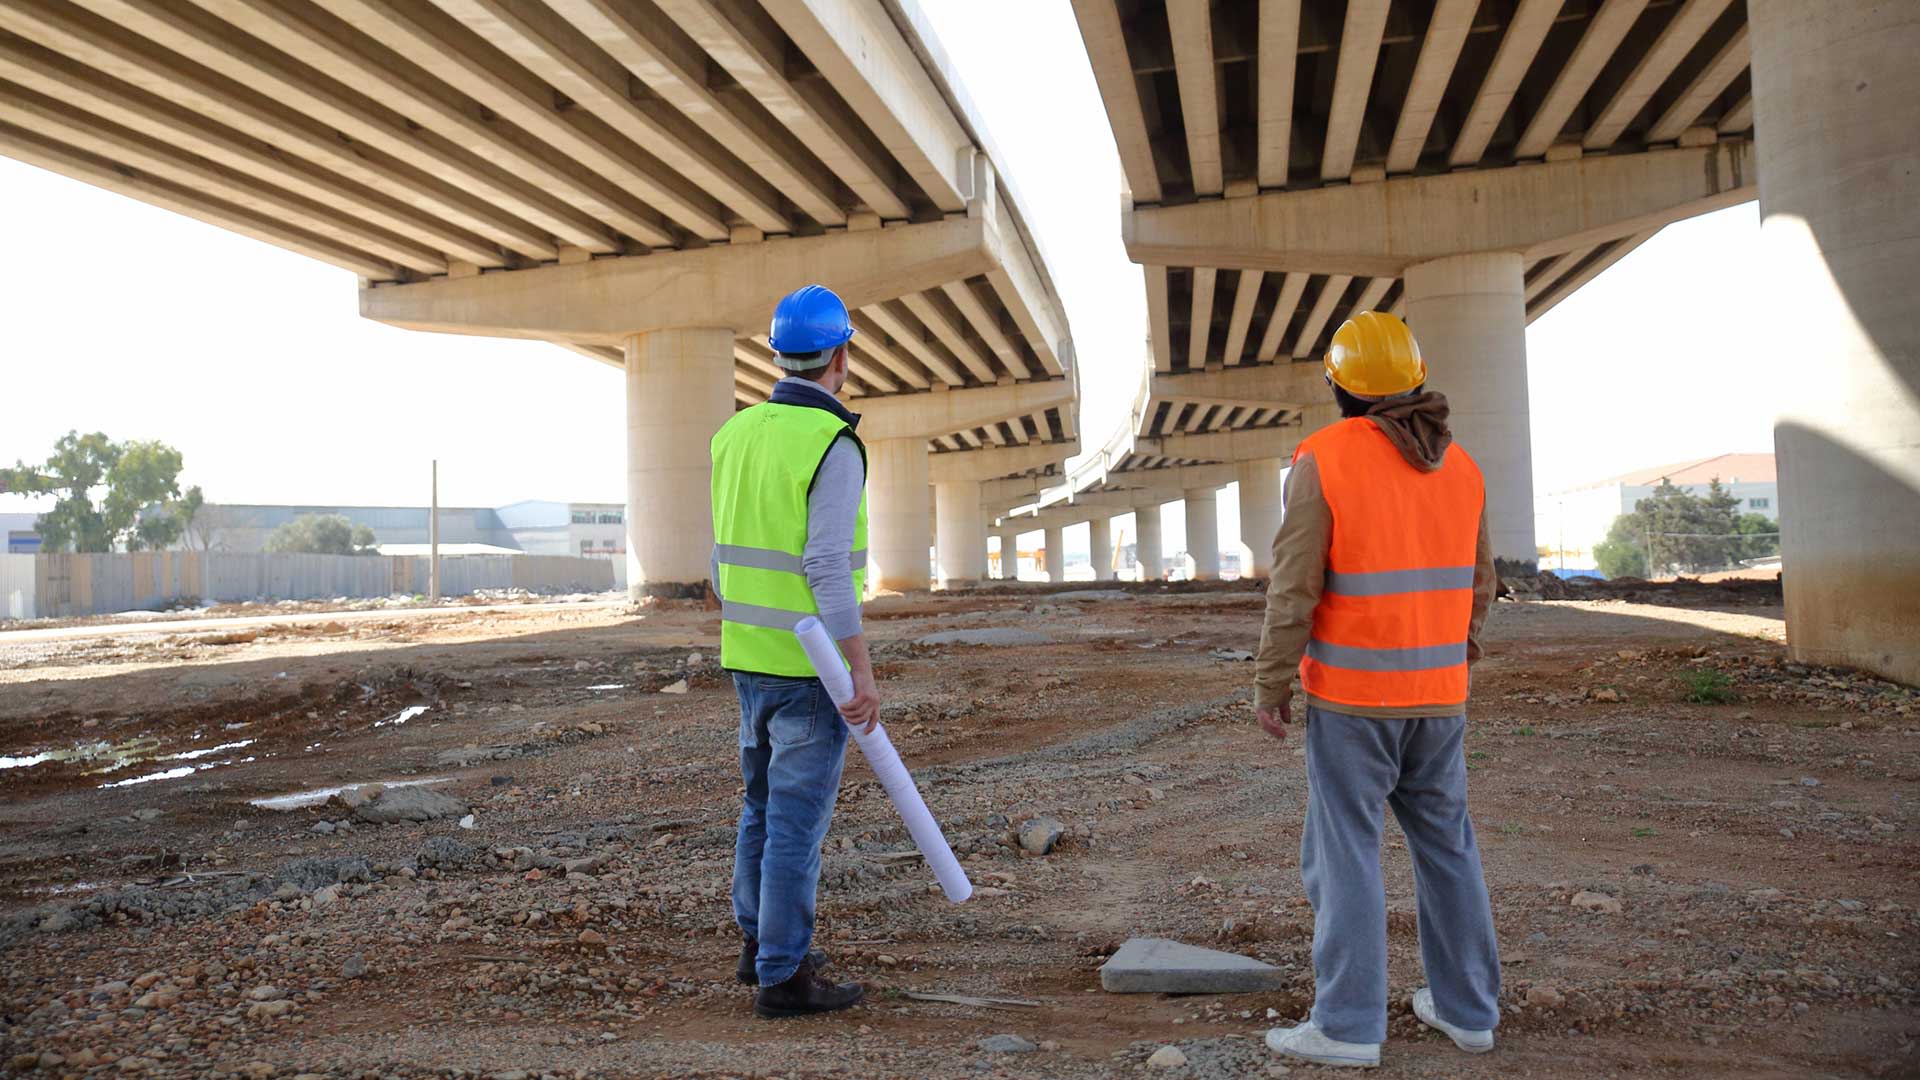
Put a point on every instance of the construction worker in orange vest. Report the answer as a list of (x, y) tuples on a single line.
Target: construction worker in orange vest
[(1382, 578)]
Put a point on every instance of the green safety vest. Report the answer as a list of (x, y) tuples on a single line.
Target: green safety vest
[(764, 461)]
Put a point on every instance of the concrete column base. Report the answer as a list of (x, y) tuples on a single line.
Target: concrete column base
[(899, 526), (1203, 532), (1100, 548), (679, 392), (960, 533), (1260, 504), (1833, 90), (1146, 548), (1469, 313), (1056, 553)]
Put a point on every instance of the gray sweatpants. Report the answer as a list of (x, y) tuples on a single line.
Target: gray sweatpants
[(1417, 767)]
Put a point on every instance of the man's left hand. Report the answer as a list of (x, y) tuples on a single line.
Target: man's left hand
[(1274, 720)]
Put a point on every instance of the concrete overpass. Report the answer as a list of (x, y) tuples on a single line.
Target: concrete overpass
[(635, 180), (1470, 163)]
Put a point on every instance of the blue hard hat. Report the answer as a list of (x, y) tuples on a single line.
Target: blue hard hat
[(809, 319)]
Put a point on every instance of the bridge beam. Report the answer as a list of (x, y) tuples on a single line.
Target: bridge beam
[(604, 301), (1380, 229)]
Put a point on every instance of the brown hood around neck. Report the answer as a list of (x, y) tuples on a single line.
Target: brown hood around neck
[(1417, 427)]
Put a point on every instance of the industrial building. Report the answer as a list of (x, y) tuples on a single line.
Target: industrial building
[(1571, 521)]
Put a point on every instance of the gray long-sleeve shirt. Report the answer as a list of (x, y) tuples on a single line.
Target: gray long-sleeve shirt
[(832, 508)]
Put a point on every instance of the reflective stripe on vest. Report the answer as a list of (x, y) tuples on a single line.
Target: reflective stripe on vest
[(1390, 630), (764, 461)]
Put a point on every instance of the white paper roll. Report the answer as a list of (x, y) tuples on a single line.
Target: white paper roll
[(886, 764)]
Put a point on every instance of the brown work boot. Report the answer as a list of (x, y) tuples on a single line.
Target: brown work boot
[(805, 994)]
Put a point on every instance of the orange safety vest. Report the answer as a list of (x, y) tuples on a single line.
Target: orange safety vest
[(1391, 626)]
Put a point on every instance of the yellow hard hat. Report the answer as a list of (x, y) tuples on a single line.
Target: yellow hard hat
[(1374, 355)]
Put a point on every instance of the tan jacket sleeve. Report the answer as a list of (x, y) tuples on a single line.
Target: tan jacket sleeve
[(1486, 584), (1299, 574)]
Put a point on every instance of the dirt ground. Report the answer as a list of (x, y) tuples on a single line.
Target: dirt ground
[(1739, 832)]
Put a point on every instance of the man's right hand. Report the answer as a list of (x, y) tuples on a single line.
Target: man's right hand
[(863, 712)]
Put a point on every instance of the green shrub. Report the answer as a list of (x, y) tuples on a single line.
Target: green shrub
[(1709, 687)]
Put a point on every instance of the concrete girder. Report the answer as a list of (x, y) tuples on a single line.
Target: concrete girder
[(1518, 46), (360, 58), (696, 181), (1241, 444), (1330, 294), (1380, 229), (1159, 322), (1676, 39), (517, 216), (744, 41), (1190, 25), (1603, 35), (944, 412), (996, 461), (1200, 320), (1243, 300), (1278, 44), (987, 326), (908, 337), (1439, 52), (871, 340), (1366, 24), (947, 331), (1007, 491), (1292, 287), (1107, 45), (855, 45), (397, 197), (1293, 385), (672, 65), (1712, 80), (605, 300), (1739, 118), (1018, 281)]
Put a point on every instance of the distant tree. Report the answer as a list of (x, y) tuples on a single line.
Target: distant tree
[(1622, 553), (322, 534), (130, 480), (1759, 536), (1675, 531), (187, 511)]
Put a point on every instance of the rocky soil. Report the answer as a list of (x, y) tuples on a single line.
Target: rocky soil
[(1702, 855)]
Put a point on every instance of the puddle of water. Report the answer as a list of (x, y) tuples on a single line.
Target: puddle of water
[(111, 756), (609, 686), (170, 774), (298, 799), (177, 773), (190, 755), (402, 716)]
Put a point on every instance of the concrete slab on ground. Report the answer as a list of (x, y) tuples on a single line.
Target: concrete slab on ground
[(1159, 966), (987, 635)]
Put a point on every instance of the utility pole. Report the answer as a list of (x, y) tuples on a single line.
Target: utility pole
[(433, 539)]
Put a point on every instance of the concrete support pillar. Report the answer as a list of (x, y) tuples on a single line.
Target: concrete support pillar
[(1260, 512), (1009, 555), (1833, 90), (960, 532), (1100, 548), (1469, 314), (1203, 532), (898, 529), (1146, 549), (1056, 554), (679, 392)]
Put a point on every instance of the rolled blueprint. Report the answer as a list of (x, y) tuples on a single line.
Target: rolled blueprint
[(886, 764)]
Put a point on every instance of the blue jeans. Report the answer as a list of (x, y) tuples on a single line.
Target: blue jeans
[(1354, 764), (792, 746)]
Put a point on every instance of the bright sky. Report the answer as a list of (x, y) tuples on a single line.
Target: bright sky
[(253, 362)]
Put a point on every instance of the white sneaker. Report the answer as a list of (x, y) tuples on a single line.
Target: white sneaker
[(1473, 1042), (1309, 1043)]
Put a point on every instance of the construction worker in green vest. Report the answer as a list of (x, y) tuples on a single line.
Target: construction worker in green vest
[(790, 540)]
